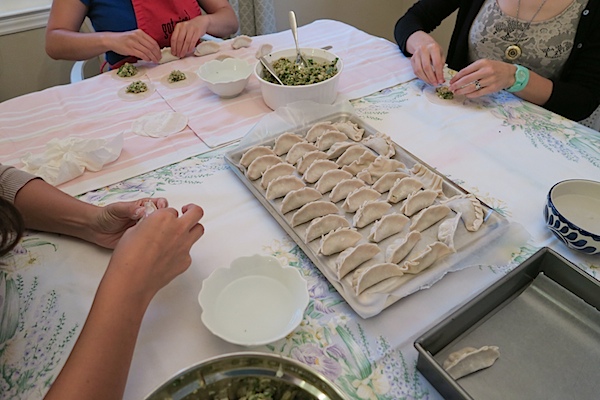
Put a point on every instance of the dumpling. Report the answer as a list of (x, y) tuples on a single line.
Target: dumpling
[(358, 197), (381, 143), (323, 225), (379, 167), (241, 41), (338, 148), (343, 188), (206, 47), (370, 212), (350, 129), (388, 179), (318, 129), (316, 170), (327, 139), (275, 171), (430, 255), (429, 216), (468, 360), (260, 165), (360, 164), (299, 197), (363, 279), (308, 159), (330, 179), (285, 141), (470, 208), (339, 240), (447, 230), (402, 188), (298, 150), (281, 186), (417, 201), (352, 257), (313, 210), (263, 50), (387, 226), (353, 153), (253, 153), (400, 248), (166, 56), (430, 179)]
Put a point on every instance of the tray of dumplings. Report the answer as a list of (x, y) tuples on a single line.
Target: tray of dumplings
[(378, 222)]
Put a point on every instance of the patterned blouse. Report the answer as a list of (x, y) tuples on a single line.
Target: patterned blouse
[(545, 44)]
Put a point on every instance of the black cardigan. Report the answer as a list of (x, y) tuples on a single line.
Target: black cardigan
[(576, 92)]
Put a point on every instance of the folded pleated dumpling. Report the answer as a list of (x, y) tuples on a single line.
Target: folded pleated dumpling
[(430, 179), (275, 171), (387, 226), (313, 210), (339, 240), (323, 225), (241, 41), (260, 165), (327, 139), (402, 188), (360, 164), (400, 248), (330, 179), (282, 185), (206, 47), (447, 230), (337, 149), (316, 170), (364, 278), (430, 255), (429, 216), (369, 212), (381, 143), (388, 180), (318, 129), (253, 153), (298, 150), (469, 359), (358, 197), (470, 208), (353, 153), (299, 197), (349, 259), (350, 129), (417, 201), (285, 141), (378, 168), (309, 158), (344, 187)]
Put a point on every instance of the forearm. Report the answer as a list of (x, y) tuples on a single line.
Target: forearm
[(47, 208), (222, 23), (537, 91), (99, 363), (67, 45)]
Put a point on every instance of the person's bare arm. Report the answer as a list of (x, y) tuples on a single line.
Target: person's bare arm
[(65, 41)]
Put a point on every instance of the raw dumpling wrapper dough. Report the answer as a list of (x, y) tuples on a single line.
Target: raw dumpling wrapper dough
[(468, 360)]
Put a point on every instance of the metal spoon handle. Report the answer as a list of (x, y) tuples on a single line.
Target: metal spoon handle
[(269, 68), (294, 27)]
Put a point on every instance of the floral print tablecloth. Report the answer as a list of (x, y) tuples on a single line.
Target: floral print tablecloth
[(47, 284)]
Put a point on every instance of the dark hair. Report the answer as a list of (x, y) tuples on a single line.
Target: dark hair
[(12, 226)]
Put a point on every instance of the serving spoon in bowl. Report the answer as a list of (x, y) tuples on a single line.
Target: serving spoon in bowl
[(300, 60)]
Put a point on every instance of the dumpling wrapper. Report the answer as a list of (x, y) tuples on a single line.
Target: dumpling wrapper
[(402, 188), (430, 255), (362, 279), (285, 141), (241, 41), (381, 143), (430, 179), (350, 129), (253, 153), (337, 149), (318, 129), (353, 153), (349, 259), (275, 171), (316, 170), (417, 201), (339, 240), (299, 197), (308, 158), (159, 124), (387, 226), (370, 212), (360, 164), (429, 216), (282, 185), (206, 47), (358, 197), (260, 165), (323, 225), (447, 230), (327, 139), (379, 167), (344, 187), (166, 56), (400, 248), (313, 210), (470, 208), (298, 150), (330, 179), (387, 181), (468, 360)]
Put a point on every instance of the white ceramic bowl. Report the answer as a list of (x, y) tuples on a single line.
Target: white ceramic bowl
[(572, 213), (253, 302), (226, 78), (276, 95)]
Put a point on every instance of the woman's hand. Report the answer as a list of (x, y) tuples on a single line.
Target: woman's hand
[(110, 222), (427, 58), (483, 77), (136, 43), (186, 35)]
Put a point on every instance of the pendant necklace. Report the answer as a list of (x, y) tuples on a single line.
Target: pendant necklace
[(514, 51)]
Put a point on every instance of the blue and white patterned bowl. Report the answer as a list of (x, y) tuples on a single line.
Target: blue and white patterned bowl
[(572, 213)]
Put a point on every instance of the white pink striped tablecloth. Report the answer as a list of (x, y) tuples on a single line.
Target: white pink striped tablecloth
[(92, 108)]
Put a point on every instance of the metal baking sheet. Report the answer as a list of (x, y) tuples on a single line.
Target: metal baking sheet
[(374, 300), (544, 317)]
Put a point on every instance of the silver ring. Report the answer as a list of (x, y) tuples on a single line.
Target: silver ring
[(477, 85)]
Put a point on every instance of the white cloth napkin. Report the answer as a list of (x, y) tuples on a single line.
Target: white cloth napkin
[(66, 159)]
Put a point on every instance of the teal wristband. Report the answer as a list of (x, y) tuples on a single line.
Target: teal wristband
[(521, 79)]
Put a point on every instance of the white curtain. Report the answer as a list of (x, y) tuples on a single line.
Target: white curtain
[(257, 17)]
